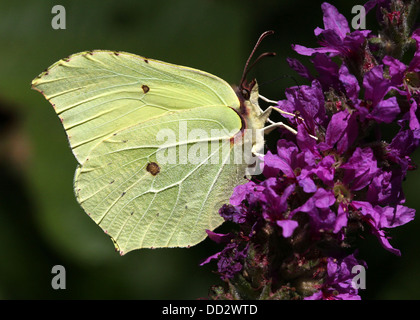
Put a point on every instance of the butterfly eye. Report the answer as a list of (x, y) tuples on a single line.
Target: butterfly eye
[(245, 94)]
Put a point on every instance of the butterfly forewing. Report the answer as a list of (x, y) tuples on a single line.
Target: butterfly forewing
[(98, 93)]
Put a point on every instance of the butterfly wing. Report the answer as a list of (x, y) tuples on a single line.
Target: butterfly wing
[(113, 107), (98, 93), (171, 206)]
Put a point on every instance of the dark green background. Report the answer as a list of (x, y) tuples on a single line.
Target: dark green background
[(42, 225)]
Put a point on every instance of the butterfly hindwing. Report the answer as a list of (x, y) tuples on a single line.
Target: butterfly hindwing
[(141, 201)]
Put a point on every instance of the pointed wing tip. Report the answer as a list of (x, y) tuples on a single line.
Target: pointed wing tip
[(34, 86), (36, 81), (39, 79)]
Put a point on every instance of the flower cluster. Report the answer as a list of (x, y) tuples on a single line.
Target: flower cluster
[(340, 176)]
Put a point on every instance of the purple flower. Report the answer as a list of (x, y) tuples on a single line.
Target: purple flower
[(318, 208), (379, 218), (241, 191), (308, 102), (396, 70), (327, 71), (277, 192), (303, 71), (360, 169), (218, 238), (403, 79), (324, 170), (341, 132), (336, 38), (338, 283), (414, 65), (285, 161), (232, 213), (374, 106), (386, 188), (231, 260), (349, 83), (403, 144)]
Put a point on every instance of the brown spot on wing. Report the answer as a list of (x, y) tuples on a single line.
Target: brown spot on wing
[(145, 88), (153, 168)]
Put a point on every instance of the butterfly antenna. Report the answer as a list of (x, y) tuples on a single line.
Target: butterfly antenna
[(247, 67), (265, 54)]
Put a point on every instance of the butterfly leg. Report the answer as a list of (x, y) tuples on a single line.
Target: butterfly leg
[(266, 113), (274, 125)]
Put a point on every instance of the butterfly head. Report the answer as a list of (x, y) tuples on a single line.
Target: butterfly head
[(247, 91)]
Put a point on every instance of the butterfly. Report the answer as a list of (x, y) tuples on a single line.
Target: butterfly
[(135, 126)]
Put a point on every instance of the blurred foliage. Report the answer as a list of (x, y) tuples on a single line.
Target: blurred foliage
[(42, 225)]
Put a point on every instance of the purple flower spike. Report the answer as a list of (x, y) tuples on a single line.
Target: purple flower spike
[(339, 176)]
